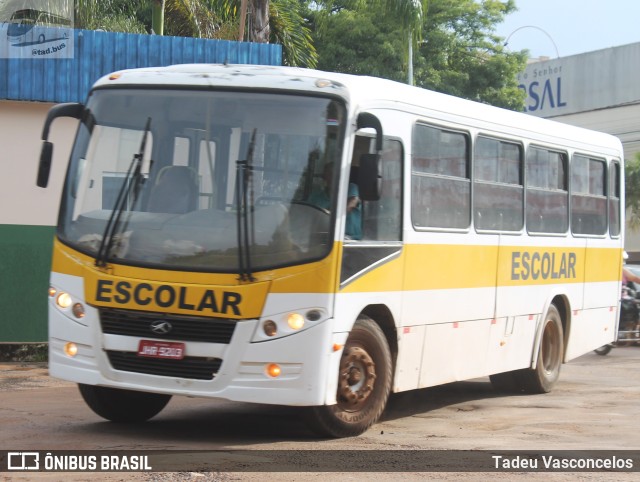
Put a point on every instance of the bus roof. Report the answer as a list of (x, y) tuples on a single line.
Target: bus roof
[(362, 91)]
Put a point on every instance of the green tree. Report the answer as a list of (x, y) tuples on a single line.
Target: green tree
[(632, 194), (458, 52), (218, 19), (462, 56), (110, 15)]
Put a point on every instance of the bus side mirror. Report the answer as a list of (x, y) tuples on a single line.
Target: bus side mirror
[(370, 165), (370, 177), (44, 167), (73, 110)]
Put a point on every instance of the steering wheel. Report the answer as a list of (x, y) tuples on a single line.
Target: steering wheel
[(308, 204)]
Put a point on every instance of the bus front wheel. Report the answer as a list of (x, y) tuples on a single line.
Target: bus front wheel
[(119, 405), (364, 384)]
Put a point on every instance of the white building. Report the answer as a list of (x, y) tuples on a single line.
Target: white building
[(599, 90)]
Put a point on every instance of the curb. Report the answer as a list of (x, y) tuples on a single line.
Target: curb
[(24, 352)]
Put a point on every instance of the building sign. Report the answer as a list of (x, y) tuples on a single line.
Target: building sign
[(542, 83), (582, 83)]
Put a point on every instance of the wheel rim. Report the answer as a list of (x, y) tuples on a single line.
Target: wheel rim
[(551, 346), (357, 379)]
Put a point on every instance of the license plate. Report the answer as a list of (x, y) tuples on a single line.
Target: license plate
[(161, 349)]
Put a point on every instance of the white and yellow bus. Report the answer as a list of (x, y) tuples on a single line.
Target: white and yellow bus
[(295, 237)]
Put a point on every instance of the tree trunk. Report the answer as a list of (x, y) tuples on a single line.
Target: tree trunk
[(157, 17), (259, 22)]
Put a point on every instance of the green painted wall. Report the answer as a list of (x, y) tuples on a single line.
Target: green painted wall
[(25, 261)]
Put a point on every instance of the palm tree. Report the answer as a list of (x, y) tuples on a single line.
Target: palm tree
[(157, 16), (411, 14), (276, 21)]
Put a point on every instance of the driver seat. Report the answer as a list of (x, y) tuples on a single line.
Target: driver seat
[(175, 191)]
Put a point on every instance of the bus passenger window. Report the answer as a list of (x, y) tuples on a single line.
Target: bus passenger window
[(440, 185), (588, 196), (498, 204), (547, 193), (614, 198)]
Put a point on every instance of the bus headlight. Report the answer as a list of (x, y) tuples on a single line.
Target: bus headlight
[(64, 300), (288, 323), (295, 321)]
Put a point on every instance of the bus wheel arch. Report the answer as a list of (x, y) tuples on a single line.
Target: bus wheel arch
[(364, 383), (561, 302), (544, 373), (550, 348), (382, 316)]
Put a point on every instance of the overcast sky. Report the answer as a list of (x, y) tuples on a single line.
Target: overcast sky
[(574, 26)]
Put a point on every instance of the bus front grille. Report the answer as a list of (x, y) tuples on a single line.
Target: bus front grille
[(195, 368), (182, 328)]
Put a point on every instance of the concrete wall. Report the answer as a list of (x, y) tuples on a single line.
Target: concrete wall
[(27, 217)]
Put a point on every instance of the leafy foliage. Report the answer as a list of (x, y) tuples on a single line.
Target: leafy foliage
[(459, 54), (289, 30), (455, 50), (632, 195), (110, 15)]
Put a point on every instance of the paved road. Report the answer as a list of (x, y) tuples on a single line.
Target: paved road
[(595, 406)]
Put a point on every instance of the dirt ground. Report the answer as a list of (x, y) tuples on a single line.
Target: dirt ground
[(593, 407)]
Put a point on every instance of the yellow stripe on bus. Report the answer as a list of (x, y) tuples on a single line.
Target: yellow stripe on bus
[(419, 267), (438, 267)]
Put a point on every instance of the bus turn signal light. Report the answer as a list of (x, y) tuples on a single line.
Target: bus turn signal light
[(270, 328), (273, 370)]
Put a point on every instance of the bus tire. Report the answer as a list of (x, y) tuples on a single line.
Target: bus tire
[(543, 377), (364, 384), (119, 405), (603, 350)]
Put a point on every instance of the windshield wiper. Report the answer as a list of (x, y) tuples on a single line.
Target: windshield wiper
[(128, 194), (244, 211)]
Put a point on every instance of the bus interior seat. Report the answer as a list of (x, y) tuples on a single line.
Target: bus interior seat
[(175, 191)]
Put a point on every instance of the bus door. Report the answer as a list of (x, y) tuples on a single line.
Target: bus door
[(499, 214), (372, 235)]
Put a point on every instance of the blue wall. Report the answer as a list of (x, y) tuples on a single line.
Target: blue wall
[(99, 53)]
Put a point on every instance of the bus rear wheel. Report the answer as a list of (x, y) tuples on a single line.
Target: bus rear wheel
[(119, 405), (364, 384), (543, 377)]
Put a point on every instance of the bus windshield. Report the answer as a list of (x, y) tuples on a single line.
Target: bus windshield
[(203, 181)]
